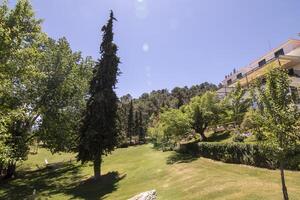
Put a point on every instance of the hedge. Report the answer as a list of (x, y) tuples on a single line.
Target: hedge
[(242, 153)]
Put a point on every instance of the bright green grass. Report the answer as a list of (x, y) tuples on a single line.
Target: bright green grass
[(143, 168)]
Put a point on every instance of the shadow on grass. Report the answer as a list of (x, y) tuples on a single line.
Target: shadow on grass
[(61, 179), (181, 158), (42, 180), (218, 136), (96, 189)]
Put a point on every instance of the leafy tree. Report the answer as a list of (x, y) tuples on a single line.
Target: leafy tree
[(169, 127), (175, 122), (152, 103), (63, 101), (21, 75), (204, 110), (155, 130), (123, 109), (237, 104), (98, 132), (198, 122), (279, 117)]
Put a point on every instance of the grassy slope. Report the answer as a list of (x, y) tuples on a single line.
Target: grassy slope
[(142, 168)]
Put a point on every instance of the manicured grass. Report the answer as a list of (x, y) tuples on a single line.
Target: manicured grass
[(137, 169)]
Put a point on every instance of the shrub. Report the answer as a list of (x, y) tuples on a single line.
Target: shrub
[(241, 153), (239, 138)]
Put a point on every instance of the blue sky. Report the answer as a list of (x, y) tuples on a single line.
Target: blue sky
[(168, 43)]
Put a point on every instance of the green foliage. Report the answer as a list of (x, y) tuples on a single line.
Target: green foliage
[(42, 86), (242, 153), (65, 89), (278, 116), (176, 123), (235, 105), (204, 111), (239, 138), (169, 127), (130, 124), (152, 103), (251, 122), (141, 130), (98, 132), (146, 168), (21, 74)]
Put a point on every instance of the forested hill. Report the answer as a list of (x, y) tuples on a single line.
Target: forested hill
[(142, 108)]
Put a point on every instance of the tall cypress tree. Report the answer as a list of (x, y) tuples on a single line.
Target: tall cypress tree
[(141, 129), (130, 125), (98, 131), (136, 123)]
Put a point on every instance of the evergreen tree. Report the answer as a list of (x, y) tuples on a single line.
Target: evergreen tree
[(130, 125), (136, 123), (98, 132), (141, 129)]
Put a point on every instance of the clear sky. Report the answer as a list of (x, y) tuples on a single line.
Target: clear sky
[(168, 43)]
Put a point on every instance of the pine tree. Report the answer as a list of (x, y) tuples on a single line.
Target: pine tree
[(141, 129), (98, 131), (130, 125), (136, 123)]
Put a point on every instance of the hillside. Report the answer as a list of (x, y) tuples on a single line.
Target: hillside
[(142, 168)]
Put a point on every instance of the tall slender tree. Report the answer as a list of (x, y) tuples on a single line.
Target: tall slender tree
[(136, 123), (130, 124), (278, 117), (98, 132), (141, 129)]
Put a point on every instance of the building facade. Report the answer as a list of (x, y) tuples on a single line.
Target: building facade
[(286, 56)]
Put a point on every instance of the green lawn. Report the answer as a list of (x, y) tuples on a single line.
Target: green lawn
[(137, 169)]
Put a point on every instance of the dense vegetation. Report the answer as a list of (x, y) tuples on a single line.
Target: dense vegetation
[(43, 85), (128, 171), (141, 111), (98, 131), (269, 113), (53, 97)]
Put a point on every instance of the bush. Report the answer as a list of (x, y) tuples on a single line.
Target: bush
[(239, 138), (241, 153)]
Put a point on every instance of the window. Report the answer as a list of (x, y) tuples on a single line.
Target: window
[(279, 53), (229, 82), (262, 62), (239, 76)]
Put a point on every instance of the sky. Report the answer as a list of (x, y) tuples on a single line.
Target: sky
[(169, 43)]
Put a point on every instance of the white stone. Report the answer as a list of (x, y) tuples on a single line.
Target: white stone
[(149, 195)]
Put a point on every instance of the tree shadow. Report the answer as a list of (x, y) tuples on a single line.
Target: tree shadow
[(218, 136), (181, 158), (59, 178), (41, 180), (96, 189)]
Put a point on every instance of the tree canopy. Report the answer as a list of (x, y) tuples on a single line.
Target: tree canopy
[(98, 131)]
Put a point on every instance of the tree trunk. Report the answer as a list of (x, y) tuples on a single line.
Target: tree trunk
[(203, 136), (201, 132), (284, 189), (97, 166), (130, 138), (10, 171)]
